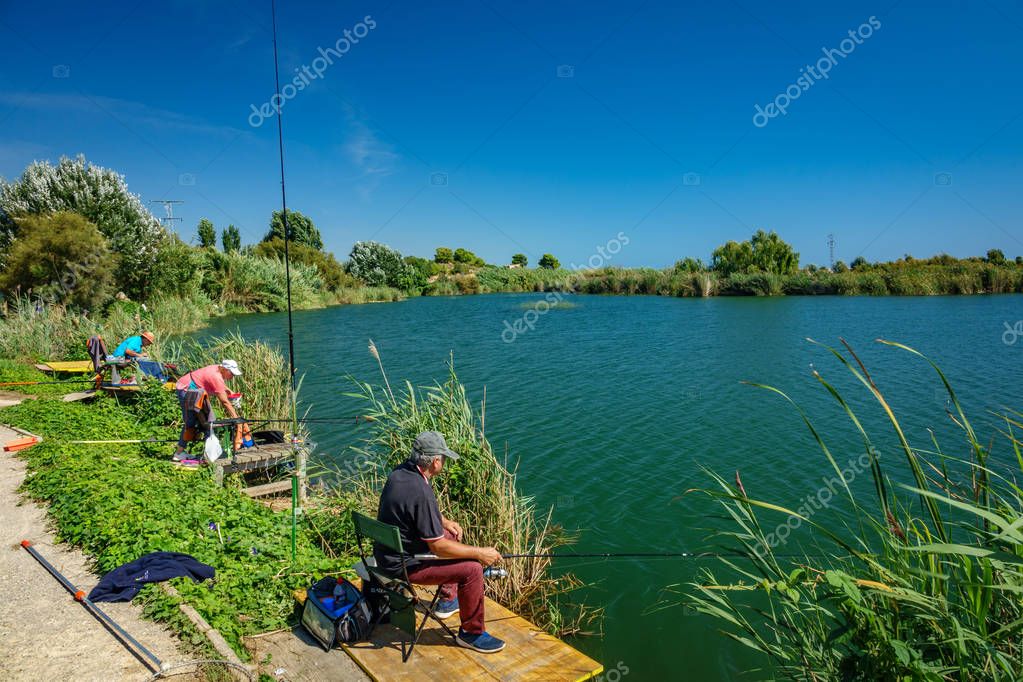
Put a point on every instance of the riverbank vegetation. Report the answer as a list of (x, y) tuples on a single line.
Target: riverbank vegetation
[(925, 582), (72, 235)]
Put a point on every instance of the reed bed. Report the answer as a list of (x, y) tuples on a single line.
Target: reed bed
[(925, 582), (479, 490)]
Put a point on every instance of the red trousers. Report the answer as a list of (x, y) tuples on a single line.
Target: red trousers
[(461, 577)]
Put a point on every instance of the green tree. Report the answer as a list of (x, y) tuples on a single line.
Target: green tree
[(996, 257), (465, 256), (859, 263), (231, 238), (98, 194), (379, 265), (771, 254), (207, 234), (422, 271), (61, 258), (549, 262), (732, 257), (689, 264), (840, 266), (520, 260), (443, 255), (301, 227), (764, 252)]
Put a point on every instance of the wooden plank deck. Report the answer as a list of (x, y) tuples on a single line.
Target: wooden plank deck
[(70, 366), (530, 655)]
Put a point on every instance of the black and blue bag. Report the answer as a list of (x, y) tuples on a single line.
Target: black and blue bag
[(336, 613)]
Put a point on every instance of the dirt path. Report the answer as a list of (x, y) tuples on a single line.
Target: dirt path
[(44, 634)]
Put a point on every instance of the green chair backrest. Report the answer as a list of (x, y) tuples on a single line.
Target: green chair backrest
[(385, 534)]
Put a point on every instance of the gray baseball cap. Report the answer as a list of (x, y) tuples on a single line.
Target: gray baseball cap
[(433, 443)]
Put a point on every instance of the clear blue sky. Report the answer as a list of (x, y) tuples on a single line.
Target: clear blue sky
[(535, 162)]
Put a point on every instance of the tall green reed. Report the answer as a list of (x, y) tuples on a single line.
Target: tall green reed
[(925, 581)]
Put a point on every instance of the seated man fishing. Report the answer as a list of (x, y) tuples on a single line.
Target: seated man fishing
[(408, 503), (213, 380), (132, 347)]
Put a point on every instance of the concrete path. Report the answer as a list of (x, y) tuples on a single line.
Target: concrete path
[(44, 633)]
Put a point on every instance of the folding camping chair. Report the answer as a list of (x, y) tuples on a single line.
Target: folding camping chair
[(402, 598)]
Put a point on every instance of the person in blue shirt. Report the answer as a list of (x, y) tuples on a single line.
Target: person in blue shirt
[(132, 347)]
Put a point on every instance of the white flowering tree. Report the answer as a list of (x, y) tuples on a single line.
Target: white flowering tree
[(379, 265), (101, 196)]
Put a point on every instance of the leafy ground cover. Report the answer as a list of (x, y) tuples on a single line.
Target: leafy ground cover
[(118, 502)]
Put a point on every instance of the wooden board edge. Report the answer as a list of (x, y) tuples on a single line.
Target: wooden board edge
[(369, 673)]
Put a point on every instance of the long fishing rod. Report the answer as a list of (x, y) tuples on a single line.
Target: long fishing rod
[(69, 382), (284, 198), (618, 555), (296, 493)]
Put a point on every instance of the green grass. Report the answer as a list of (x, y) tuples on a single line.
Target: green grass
[(924, 582)]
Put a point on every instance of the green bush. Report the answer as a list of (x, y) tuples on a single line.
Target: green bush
[(751, 284), (331, 272), (260, 284)]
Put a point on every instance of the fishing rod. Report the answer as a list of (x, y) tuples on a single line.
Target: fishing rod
[(122, 442), (71, 382), (617, 555), (140, 652), (284, 198)]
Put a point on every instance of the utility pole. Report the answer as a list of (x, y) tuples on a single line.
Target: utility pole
[(168, 207), (831, 250)]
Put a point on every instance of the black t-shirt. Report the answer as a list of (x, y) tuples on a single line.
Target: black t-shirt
[(408, 502)]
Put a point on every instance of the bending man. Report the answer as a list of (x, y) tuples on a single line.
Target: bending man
[(408, 502), (212, 379)]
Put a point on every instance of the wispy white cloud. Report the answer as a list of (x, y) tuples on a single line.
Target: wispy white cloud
[(131, 113), (373, 158)]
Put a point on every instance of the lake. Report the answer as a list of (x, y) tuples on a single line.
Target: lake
[(614, 406)]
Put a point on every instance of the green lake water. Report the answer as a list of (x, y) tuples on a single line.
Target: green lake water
[(613, 406)]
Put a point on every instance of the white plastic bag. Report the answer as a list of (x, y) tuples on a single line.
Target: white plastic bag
[(212, 449)]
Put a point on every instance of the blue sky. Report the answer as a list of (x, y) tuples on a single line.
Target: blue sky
[(448, 123)]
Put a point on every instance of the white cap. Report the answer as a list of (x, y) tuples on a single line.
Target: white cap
[(231, 365)]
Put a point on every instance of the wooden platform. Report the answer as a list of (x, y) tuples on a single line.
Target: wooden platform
[(71, 366), (530, 655), (254, 459)]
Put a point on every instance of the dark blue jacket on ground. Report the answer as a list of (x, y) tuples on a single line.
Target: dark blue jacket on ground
[(124, 582)]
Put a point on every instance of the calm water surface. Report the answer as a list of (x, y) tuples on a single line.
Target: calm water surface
[(614, 406)]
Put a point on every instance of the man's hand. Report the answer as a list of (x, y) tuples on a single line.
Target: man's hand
[(453, 528), (489, 556)]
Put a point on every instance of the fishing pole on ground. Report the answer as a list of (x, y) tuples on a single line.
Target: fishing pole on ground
[(122, 442), (68, 382), (144, 655)]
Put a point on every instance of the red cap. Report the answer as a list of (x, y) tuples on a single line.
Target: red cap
[(26, 543)]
